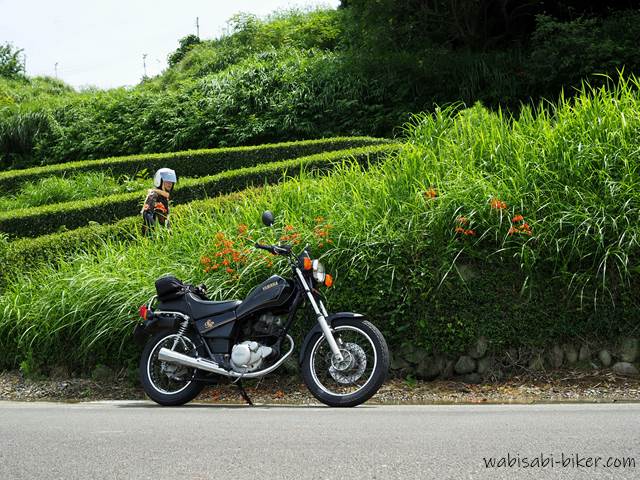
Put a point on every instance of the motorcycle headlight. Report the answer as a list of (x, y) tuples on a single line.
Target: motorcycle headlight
[(318, 271)]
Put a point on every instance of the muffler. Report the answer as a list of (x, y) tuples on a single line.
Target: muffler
[(170, 356), (166, 355)]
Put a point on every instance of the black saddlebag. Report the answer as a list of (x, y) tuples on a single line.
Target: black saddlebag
[(170, 288)]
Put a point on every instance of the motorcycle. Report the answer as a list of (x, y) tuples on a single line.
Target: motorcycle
[(344, 359)]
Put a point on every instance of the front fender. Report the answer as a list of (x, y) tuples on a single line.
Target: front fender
[(316, 329)]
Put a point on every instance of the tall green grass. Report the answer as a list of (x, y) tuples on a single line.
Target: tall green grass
[(571, 170), (50, 190)]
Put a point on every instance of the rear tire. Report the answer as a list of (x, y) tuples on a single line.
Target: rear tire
[(356, 381), (167, 383)]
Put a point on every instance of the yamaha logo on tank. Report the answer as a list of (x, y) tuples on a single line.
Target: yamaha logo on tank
[(269, 285)]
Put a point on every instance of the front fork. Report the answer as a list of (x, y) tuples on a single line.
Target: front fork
[(321, 317)]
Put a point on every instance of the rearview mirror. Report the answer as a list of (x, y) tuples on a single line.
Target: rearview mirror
[(267, 218)]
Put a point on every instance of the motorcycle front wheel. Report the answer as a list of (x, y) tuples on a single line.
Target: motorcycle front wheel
[(167, 383), (358, 376)]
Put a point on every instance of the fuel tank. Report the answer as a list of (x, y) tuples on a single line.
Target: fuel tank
[(274, 292)]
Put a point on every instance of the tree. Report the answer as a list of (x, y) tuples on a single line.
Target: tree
[(186, 44), (475, 24), (10, 65)]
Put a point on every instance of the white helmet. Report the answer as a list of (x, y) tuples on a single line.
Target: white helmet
[(164, 174)]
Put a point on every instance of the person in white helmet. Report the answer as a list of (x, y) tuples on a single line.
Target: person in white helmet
[(155, 210)]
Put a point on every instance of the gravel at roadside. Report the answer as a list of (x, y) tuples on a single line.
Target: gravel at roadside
[(556, 386)]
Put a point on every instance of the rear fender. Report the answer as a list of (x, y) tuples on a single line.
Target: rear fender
[(330, 319), (154, 325)]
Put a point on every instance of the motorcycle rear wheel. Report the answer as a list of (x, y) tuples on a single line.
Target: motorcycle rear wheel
[(167, 383), (360, 375)]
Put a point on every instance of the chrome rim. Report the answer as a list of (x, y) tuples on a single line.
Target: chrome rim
[(354, 372), (166, 377)]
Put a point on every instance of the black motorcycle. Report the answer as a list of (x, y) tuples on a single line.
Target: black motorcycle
[(344, 359)]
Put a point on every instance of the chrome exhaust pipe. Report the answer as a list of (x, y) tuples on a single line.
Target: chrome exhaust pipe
[(170, 356), (166, 355)]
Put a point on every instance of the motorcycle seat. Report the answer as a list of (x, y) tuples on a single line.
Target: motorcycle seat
[(205, 308)]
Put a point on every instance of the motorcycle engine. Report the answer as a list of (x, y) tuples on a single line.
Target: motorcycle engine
[(248, 356), (267, 324)]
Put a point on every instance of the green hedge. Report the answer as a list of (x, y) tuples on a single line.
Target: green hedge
[(33, 222), (191, 163), (24, 254)]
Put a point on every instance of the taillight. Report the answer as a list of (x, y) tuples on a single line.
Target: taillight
[(143, 312)]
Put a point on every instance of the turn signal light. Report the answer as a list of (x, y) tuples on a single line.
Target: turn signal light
[(308, 264), (143, 312), (328, 280)]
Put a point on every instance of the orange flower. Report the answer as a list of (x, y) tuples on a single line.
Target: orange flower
[(242, 229), (524, 228), (229, 270), (462, 220), (517, 218), (289, 228), (431, 193), (459, 230), (220, 236), (205, 260), (497, 204), (319, 219), (471, 233)]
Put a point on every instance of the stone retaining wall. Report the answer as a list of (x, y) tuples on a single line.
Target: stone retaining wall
[(481, 363)]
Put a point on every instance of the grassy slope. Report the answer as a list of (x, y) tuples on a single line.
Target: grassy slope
[(570, 172)]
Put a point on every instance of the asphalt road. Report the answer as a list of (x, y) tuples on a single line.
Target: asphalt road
[(140, 440)]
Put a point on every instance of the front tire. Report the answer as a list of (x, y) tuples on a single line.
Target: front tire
[(167, 383), (360, 375)]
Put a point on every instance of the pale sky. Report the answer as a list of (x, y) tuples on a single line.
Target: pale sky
[(101, 43)]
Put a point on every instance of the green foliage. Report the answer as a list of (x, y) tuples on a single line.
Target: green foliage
[(22, 94), (25, 254), (10, 64), (31, 368), (186, 44), (577, 49), (385, 25), (192, 163), (18, 135), (32, 222), (49, 190), (359, 70), (397, 253)]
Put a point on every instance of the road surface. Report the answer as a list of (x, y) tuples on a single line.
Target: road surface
[(139, 440)]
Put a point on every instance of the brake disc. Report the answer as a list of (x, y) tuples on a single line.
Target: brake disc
[(352, 367)]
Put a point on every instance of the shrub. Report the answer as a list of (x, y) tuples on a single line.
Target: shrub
[(32, 222), (192, 163)]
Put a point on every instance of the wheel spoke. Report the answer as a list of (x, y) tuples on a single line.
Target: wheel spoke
[(169, 378), (344, 378)]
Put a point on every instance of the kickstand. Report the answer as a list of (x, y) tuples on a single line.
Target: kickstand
[(244, 394)]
